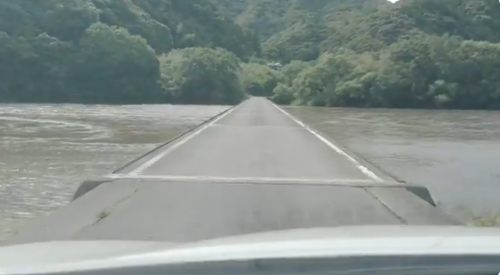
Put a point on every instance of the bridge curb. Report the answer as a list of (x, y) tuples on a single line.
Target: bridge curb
[(89, 185), (422, 192)]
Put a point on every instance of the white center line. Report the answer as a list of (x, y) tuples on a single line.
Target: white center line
[(339, 151)]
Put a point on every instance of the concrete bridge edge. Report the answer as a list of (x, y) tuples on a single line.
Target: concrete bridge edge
[(422, 192)]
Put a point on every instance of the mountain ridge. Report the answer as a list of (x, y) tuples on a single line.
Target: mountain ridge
[(361, 53)]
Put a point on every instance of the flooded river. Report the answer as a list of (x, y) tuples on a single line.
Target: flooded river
[(47, 150)]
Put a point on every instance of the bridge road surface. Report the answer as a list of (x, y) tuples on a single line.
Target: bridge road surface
[(254, 168)]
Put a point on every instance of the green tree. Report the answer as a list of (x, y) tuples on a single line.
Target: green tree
[(292, 69), (201, 76), (113, 66), (282, 94), (259, 80), (32, 69), (68, 20)]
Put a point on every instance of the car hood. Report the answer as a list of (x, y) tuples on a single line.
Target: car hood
[(62, 256)]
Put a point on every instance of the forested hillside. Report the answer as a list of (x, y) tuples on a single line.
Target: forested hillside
[(362, 53), (109, 51), (369, 53)]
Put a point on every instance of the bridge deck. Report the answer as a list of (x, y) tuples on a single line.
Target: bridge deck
[(255, 140), (254, 168)]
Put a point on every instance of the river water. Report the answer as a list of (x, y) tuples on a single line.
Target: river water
[(47, 150)]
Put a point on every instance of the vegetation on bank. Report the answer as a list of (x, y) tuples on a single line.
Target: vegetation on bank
[(489, 220), (360, 53)]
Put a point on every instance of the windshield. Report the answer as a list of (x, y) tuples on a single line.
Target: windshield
[(174, 122)]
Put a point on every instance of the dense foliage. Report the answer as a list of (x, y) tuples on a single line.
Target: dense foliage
[(201, 76), (362, 53), (106, 51)]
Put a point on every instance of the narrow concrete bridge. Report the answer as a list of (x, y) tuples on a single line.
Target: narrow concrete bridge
[(250, 169)]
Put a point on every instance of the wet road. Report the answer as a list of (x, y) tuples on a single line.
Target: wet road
[(252, 169)]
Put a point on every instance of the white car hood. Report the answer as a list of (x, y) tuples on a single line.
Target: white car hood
[(320, 242)]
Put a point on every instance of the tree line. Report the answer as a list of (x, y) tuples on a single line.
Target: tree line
[(120, 52), (358, 53)]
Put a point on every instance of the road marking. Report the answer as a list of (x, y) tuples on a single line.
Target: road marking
[(264, 180), (361, 167), (177, 144)]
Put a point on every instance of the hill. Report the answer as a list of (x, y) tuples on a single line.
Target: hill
[(363, 53), (413, 54), (104, 51), (363, 25)]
